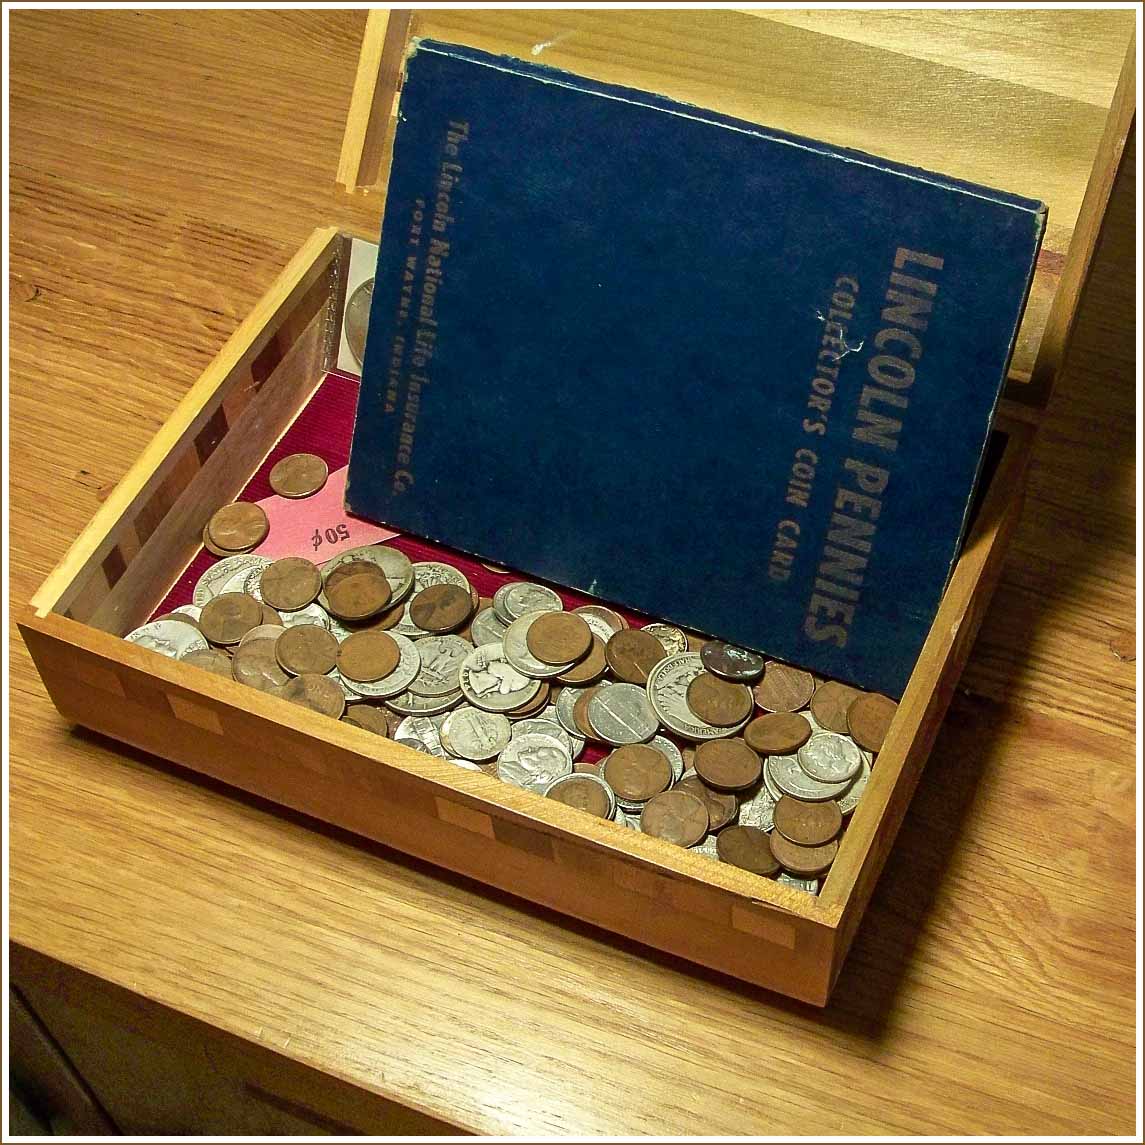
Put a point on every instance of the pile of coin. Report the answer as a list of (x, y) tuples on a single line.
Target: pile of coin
[(712, 747)]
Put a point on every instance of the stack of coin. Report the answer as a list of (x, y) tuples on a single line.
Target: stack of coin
[(575, 705)]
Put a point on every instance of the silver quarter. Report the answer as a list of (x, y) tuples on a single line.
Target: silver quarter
[(470, 733), (211, 583), (533, 761), (512, 601), (758, 811), (396, 565), (409, 664), (769, 783), (488, 681), (486, 627), (667, 690), (424, 732), (603, 622), (441, 660), (849, 800), (792, 780), (706, 846), (830, 758), (411, 704), (426, 573), (540, 725), (171, 638), (517, 649), (622, 714), (670, 636)]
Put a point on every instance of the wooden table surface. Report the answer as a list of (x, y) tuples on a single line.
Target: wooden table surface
[(164, 166)]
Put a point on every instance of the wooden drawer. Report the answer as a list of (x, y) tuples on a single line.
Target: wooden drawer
[(149, 529)]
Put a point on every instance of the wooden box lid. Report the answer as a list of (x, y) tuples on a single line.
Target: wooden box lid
[(1037, 102)]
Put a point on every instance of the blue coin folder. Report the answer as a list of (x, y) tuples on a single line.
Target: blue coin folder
[(724, 376)]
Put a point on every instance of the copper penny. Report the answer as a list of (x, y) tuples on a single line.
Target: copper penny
[(589, 668), (239, 527), (538, 703), (784, 689), (368, 656), (213, 659), (675, 815), (730, 662), (748, 848), (299, 475), (869, 719), (368, 717), (632, 654), (318, 693), (580, 714), (228, 617), (719, 702), (256, 665), (558, 638), (727, 764), (721, 807), (211, 547), (804, 861), (290, 583), (587, 768), (582, 794), (636, 772), (306, 648), (270, 615), (357, 590), (830, 703), (780, 733), (808, 824), (441, 607)]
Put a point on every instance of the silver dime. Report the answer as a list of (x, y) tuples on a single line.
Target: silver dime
[(486, 627), (706, 846), (422, 731), (670, 636), (517, 649), (533, 761), (566, 701), (426, 573), (512, 601), (411, 704), (396, 565), (758, 811), (792, 780), (811, 886), (667, 689), (211, 582), (849, 800), (673, 754), (581, 778), (488, 681), (409, 664), (830, 757), (172, 638), (622, 714), (602, 621), (311, 614), (441, 660), (470, 733), (538, 725)]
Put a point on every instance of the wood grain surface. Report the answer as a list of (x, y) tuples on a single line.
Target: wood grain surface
[(164, 167)]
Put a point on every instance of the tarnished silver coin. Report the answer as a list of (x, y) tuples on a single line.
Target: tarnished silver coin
[(706, 846), (488, 681), (411, 704), (396, 566), (533, 762), (830, 757), (424, 732), (792, 780), (539, 725), (426, 573), (517, 651), (758, 811), (409, 664), (601, 620), (512, 601), (811, 886), (731, 662), (670, 636), (667, 690), (441, 660), (470, 733), (672, 753), (311, 614), (622, 714), (849, 800), (357, 321), (486, 627), (211, 583), (171, 638), (262, 632)]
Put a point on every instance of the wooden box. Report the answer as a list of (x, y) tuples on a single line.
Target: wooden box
[(896, 83)]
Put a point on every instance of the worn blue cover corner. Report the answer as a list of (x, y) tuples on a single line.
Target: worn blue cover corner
[(728, 377)]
